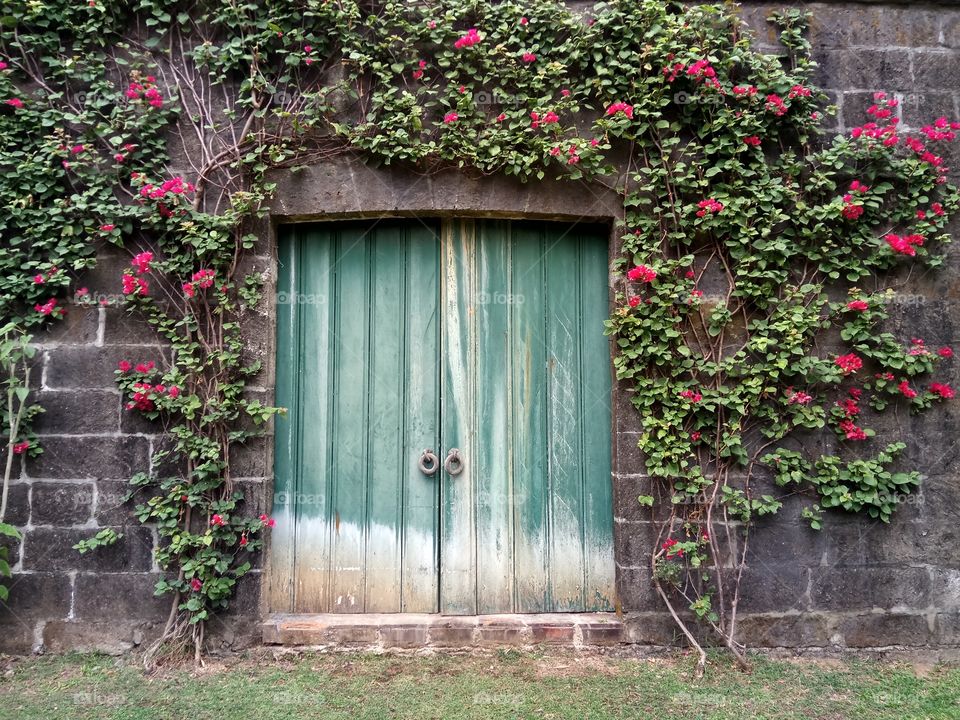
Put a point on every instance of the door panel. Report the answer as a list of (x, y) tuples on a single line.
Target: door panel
[(485, 336), (363, 399), (526, 399)]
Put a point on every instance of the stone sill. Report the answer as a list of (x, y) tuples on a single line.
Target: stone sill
[(409, 630)]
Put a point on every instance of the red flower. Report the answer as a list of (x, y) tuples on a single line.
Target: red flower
[(709, 205), (620, 107), (906, 390), (195, 584), (695, 436), (944, 391), (752, 140), (904, 245), (529, 57), (523, 21), (851, 430), (218, 521), (15, 102), (641, 273), (48, 308), (39, 279), (134, 286), (468, 40), (145, 367), (691, 395), (858, 305), (267, 520), (124, 366), (501, 117), (243, 540), (450, 118), (550, 117), (565, 93), (107, 228), (668, 545), (849, 363), (798, 398), (945, 352), (142, 262), (173, 391), (633, 301), (21, 447)]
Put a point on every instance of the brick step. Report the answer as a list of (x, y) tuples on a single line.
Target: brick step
[(408, 630)]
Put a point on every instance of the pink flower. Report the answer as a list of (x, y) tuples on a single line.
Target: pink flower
[(48, 308), (142, 262), (944, 391), (695, 436), (77, 149), (708, 206), (173, 391), (267, 520), (15, 102), (565, 92), (851, 430), (852, 212), (752, 140), (945, 352), (858, 305), (450, 118), (188, 290), (904, 245), (633, 301), (124, 366), (501, 117), (620, 107), (529, 57), (906, 391), (523, 21), (470, 39), (21, 447), (217, 521), (145, 367), (134, 286), (204, 278), (550, 117), (641, 273), (691, 395), (555, 150), (798, 398), (849, 363), (107, 227), (39, 279), (196, 585)]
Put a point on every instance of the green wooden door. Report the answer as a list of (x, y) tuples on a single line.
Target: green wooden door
[(478, 339)]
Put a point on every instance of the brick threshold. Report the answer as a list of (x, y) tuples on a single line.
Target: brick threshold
[(409, 630)]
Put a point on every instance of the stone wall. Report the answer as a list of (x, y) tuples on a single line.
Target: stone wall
[(856, 584)]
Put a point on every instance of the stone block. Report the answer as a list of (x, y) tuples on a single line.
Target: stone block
[(86, 367), (120, 596), (62, 504), (80, 326), (36, 596), (403, 635), (78, 412), (865, 588), (801, 630), (67, 457), (872, 630), (51, 549), (548, 633), (773, 588), (18, 505)]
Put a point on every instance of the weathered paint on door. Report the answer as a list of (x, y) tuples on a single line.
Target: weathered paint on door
[(357, 341), (480, 336)]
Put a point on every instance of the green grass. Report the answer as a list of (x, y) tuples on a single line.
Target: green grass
[(508, 684)]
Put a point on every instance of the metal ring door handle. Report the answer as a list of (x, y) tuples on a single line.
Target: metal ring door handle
[(428, 463), (454, 462)]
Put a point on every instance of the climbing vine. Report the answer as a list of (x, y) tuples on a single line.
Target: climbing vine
[(759, 257)]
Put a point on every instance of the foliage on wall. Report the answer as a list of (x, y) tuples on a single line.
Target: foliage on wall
[(748, 238)]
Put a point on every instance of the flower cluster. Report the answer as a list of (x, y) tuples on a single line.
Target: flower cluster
[(849, 363), (708, 206), (470, 39), (620, 107), (851, 208), (146, 90), (641, 273), (906, 244), (202, 279), (668, 546), (691, 395)]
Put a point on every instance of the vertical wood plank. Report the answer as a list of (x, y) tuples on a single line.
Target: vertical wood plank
[(458, 554), (491, 456), (310, 301), (280, 565), (420, 571), (529, 437), (565, 419), (596, 387), (385, 460)]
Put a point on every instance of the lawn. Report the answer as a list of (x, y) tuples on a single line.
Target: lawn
[(502, 685)]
